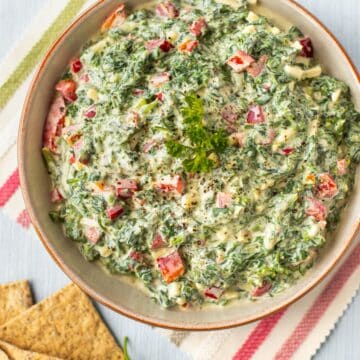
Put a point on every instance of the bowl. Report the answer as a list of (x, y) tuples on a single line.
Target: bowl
[(122, 296)]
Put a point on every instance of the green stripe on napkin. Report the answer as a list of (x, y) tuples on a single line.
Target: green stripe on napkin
[(29, 62)]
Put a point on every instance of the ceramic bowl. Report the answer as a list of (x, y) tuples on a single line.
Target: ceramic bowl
[(110, 290)]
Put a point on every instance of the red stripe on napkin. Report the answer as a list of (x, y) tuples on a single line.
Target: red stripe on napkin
[(317, 310), (9, 188), (23, 219), (257, 336)]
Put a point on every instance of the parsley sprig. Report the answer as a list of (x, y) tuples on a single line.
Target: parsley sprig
[(204, 142)]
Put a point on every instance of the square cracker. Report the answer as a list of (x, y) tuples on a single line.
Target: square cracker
[(15, 298), (11, 352), (65, 325)]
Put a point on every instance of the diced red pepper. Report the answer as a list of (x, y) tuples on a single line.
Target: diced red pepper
[(92, 234), (307, 48), (341, 167), (287, 150), (257, 68), (327, 187), (213, 292), (223, 200), (316, 209), (171, 266), (127, 184), (188, 45), (160, 96), (198, 27), (240, 61), (262, 290), (53, 123), (158, 242), (255, 115), (76, 65), (167, 9), (229, 113), (138, 92), (168, 184), (160, 79), (90, 112), (137, 256), (114, 212), (125, 188), (114, 19), (67, 88), (162, 44), (56, 196)]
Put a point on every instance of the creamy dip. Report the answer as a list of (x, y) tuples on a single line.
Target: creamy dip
[(199, 148)]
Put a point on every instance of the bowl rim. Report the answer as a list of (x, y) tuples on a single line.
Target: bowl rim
[(94, 294)]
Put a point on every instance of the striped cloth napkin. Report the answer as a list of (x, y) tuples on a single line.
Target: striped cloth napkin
[(293, 333)]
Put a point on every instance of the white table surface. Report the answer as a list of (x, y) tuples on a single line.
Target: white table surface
[(23, 256)]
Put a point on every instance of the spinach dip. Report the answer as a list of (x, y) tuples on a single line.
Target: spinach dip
[(199, 148)]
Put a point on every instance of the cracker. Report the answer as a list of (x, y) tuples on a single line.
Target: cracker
[(3, 356), (65, 325), (15, 298), (13, 353)]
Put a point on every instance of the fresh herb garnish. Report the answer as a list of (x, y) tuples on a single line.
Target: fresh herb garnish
[(205, 144)]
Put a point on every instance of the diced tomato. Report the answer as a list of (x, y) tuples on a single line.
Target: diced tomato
[(198, 27), (67, 88), (257, 68), (160, 96), (162, 44), (188, 45), (223, 200), (213, 292), (262, 290), (168, 184), (158, 242), (90, 112), (167, 9), (114, 212), (53, 122), (341, 167), (149, 145), (171, 266), (117, 18), (327, 187), (307, 48), (255, 115), (316, 209), (287, 150), (138, 91), (160, 79), (92, 233), (76, 65), (229, 113), (56, 196), (240, 61)]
